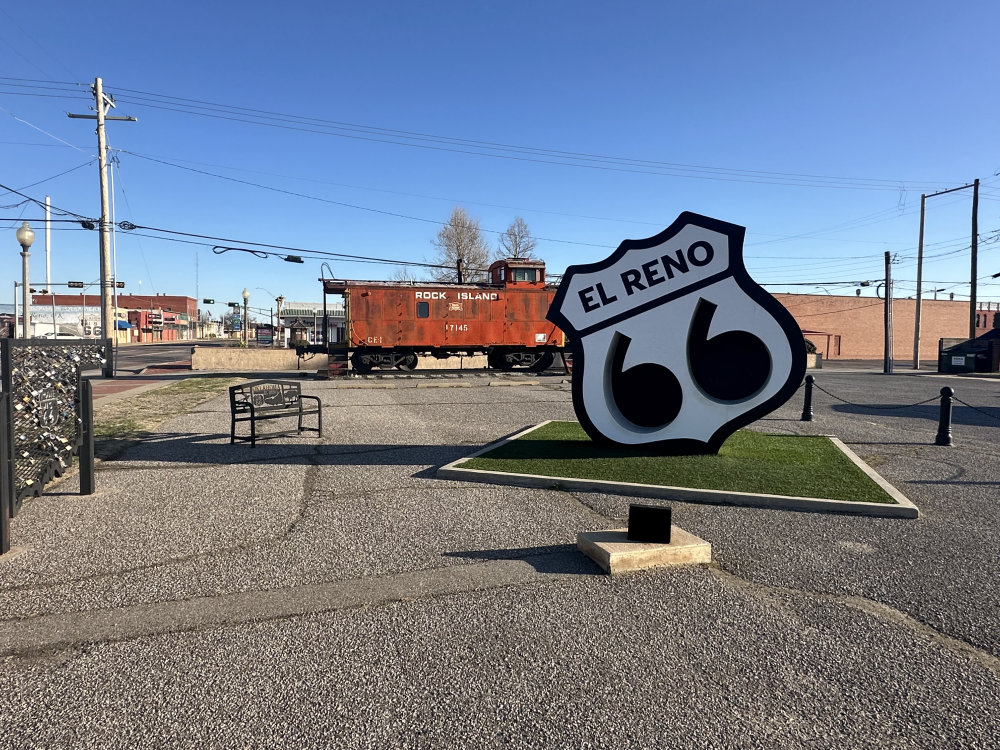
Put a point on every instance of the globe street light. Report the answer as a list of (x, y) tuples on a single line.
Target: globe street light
[(246, 318), (25, 236)]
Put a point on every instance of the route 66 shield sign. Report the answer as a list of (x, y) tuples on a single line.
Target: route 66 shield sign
[(674, 345)]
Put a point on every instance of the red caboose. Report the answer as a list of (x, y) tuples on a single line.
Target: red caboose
[(390, 324)]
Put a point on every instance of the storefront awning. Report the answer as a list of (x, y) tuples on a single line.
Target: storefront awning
[(121, 325)]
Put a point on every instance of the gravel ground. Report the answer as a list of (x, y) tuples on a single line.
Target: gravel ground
[(333, 593)]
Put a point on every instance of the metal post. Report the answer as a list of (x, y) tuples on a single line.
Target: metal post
[(6, 472), (280, 301), (48, 266), (26, 293), (86, 457), (944, 420), (807, 405)]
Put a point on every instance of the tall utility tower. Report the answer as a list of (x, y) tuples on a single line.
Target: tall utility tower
[(103, 103)]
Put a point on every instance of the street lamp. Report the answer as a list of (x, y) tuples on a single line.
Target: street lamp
[(246, 318), (280, 300), (25, 236)]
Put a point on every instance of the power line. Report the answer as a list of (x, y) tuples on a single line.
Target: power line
[(56, 176), (179, 163), (489, 148), (129, 227), (41, 204), (383, 212)]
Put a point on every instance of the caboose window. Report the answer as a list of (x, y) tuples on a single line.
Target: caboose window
[(423, 309), (524, 274)]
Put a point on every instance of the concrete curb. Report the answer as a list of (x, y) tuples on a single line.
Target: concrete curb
[(903, 509)]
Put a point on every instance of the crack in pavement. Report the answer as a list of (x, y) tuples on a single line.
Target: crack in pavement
[(869, 606), (46, 633)]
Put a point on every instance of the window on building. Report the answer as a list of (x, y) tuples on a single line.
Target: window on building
[(423, 309)]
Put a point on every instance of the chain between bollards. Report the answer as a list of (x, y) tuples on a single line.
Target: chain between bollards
[(807, 406), (944, 421)]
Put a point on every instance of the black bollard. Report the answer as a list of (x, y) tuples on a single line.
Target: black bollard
[(944, 422), (807, 406), (86, 454)]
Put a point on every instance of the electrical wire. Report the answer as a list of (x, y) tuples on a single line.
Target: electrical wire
[(55, 176), (41, 204), (489, 148), (423, 219)]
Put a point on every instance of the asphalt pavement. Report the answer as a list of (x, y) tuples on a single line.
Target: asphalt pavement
[(333, 593)]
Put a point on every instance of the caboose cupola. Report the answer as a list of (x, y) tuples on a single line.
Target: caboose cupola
[(518, 272)]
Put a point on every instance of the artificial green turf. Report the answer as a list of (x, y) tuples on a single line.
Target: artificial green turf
[(748, 462)]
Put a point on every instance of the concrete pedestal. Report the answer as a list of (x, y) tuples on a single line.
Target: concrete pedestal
[(614, 552)]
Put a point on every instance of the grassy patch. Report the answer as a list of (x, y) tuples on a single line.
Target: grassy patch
[(748, 462), (122, 423)]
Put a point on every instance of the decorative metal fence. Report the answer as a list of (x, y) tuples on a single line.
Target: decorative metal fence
[(46, 417)]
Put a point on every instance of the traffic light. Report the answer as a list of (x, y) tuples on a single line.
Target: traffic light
[(75, 285), (234, 304), (120, 284), (208, 301)]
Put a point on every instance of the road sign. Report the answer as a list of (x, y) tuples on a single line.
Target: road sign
[(674, 345)]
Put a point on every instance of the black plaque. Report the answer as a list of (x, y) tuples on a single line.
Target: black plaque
[(649, 523)]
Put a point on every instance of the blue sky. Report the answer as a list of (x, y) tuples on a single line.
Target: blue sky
[(816, 126)]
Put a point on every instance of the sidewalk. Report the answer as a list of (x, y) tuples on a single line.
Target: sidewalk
[(334, 593)]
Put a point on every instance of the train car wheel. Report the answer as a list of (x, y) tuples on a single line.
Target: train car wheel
[(359, 363), (544, 362), (500, 359), (407, 362)]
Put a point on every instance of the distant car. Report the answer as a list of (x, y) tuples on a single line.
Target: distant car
[(57, 335)]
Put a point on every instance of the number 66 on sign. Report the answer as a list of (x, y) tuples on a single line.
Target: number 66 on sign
[(674, 345)]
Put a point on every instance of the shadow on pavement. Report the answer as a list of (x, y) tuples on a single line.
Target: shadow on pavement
[(555, 558), (979, 416), (207, 449)]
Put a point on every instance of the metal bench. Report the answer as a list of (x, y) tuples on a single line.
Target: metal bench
[(271, 399)]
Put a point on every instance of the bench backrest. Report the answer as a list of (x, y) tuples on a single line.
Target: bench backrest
[(266, 395)]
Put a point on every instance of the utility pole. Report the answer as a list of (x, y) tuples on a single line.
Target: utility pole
[(103, 103), (48, 267), (920, 279), (920, 265), (887, 357), (975, 252)]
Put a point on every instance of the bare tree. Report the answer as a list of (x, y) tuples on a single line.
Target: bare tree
[(517, 241), (403, 274), (461, 240)]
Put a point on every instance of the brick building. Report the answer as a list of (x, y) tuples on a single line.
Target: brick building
[(854, 328), (147, 317)]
